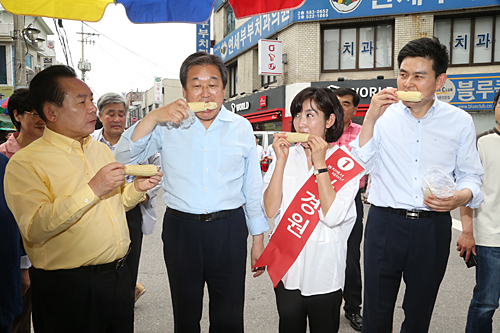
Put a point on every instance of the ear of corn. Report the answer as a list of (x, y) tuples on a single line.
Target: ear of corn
[(141, 170), (293, 137), (202, 106), (410, 96)]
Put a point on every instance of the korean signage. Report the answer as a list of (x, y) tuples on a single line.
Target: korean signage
[(157, 90), (48, 61), (248, 34), (6, 91), (471, 92), (270, 53), (264, 26), (365, 88), (203, 37)]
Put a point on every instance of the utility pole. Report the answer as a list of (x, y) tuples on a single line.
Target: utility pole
[(83, 64), (20, 52)]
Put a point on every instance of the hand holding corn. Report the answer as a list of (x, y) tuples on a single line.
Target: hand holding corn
[(143, 182), (107, 179)]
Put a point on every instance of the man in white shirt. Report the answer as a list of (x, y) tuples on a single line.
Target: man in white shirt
[(485, 236), (141, 219), (406, 235), (260, 149)]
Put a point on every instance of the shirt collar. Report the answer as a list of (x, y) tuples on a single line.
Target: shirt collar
[(223, 115), (63, 142)]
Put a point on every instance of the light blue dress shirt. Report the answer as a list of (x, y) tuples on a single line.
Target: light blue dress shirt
[(403, 148), (205, 171)]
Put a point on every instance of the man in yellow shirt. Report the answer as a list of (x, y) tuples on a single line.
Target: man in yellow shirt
[(69, 197)]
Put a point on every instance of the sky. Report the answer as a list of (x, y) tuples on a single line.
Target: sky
[(126, 56)]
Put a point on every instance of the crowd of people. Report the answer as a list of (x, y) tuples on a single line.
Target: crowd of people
[(73, 222)]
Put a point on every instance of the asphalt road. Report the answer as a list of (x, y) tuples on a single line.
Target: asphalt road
[(153, 312)]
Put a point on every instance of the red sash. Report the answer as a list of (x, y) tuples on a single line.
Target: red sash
[(302, 216)]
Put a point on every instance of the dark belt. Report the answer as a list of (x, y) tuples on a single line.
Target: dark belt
[(115, 265), (414, 214), (203, 217)]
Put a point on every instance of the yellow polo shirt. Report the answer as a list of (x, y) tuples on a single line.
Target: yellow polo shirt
[(63, 223)]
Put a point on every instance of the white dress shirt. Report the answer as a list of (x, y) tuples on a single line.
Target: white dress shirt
[(320, 266), (403, 148), (205, 170)]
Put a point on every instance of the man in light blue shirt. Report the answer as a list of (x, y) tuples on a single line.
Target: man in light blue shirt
[(406, 234), (212, 183)]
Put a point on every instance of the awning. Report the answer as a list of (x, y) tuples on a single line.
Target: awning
[(257, 117)]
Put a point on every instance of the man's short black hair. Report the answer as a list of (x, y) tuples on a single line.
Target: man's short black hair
[(202, 59), (326, 101), (342, 91), (45, 87), (20, 101), (427, 48)]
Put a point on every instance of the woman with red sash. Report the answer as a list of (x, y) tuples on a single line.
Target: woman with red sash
[(312, 286)]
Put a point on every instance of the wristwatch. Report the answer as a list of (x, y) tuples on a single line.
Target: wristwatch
[(318, 171)]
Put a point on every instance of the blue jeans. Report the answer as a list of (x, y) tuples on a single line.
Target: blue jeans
[(486, 292)]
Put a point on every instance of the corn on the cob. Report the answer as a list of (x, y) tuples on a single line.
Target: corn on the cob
[(410, 96), (293, 137), (141, 170), (202, 106)]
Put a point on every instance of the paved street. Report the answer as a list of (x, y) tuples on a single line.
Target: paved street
[(154, 310)]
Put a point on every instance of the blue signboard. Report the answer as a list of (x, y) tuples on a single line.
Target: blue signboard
[(247, 35), (203, 37), (264, 26), (471, 92)]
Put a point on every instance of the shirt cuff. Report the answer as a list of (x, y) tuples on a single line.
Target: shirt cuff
[(477, 195), (25, 262), (365, 153), (257, 226)]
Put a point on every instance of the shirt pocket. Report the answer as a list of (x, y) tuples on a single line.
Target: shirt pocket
[(231, 163)]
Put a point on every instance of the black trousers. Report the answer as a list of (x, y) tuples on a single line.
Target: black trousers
[(294, 309), (206, 252), (82, 301), (353, 285), (397, 247), (134, 222)]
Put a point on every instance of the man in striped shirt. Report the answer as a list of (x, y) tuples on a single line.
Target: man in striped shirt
[(349, 99)]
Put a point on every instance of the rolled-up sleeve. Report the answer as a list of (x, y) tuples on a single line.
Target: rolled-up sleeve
[(252, 186), (129, 152), (366, 155)]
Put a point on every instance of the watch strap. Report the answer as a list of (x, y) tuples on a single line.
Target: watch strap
[(318, 171)]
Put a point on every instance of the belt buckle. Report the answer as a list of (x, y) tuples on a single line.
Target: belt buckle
[(412, 214), (206, 217), (120, 263)]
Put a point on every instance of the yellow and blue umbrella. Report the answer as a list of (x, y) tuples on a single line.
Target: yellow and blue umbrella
[(143, 11)]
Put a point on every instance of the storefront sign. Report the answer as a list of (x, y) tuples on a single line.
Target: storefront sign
[(263, 101), (237, 107), (203, 37), (157, 90), (270, 54), (264, 26), (471, 92)]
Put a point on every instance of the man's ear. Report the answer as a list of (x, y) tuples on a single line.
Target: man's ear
[(441, 79), (51, 112), (16, 116)]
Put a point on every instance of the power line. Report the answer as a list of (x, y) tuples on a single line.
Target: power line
[(126, 48)]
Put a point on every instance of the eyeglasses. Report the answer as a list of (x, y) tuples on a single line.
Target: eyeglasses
[(34, 115)]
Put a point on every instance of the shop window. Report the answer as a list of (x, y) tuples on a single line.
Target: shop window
[(268, 79), (353, 48), (470, 40), (233, 79), (3, 65), (230, 20)]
